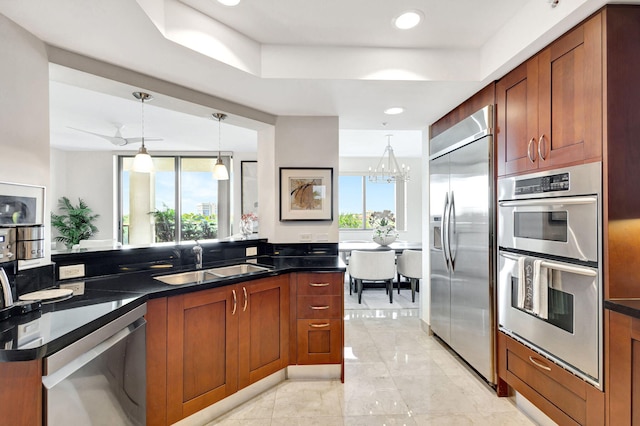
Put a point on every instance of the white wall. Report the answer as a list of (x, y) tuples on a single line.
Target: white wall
[(88, 175), (296, 142), (24, 112), (414, 196)]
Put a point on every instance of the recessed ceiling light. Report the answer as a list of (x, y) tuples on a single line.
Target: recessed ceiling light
[(229, 2), (407, 20), (394, 110)]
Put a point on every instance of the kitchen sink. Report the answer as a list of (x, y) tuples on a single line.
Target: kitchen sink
[(184, 278), (196, 277), (241, 269)]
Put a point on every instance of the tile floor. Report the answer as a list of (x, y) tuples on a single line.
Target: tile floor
[(395, 374)]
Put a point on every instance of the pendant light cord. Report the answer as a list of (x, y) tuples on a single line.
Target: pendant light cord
[(142, 99)]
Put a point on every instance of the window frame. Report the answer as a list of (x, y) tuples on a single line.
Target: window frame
[(226, 185)]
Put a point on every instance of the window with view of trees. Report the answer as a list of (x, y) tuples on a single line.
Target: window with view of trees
[(178, 201), (359, 198)]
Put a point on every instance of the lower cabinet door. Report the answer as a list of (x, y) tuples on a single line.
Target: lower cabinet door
[(320, 341), (264, 328), (202, 359)]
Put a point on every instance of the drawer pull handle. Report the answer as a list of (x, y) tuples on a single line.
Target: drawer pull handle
[(319, 284), (235, 302), (539, 364), (319, 308), (324, 324)]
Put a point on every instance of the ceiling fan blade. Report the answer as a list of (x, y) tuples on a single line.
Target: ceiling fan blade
[(112, 139)]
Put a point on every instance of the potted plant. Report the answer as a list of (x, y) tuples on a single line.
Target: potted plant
[(75, 223), (384, 227)]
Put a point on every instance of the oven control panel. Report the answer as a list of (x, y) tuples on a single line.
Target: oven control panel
[(538, 185)]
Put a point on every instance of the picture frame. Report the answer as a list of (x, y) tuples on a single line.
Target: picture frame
[(306, 194), (21, 204)]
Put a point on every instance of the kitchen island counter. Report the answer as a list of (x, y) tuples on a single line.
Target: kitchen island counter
[(104, 299)]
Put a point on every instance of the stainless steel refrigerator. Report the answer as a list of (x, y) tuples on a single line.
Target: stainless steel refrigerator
[(461, 245)]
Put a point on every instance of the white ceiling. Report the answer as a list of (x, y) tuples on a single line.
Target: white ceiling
[(284, 57)]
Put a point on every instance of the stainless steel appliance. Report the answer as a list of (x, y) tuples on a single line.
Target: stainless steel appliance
[(555, 217), (461, 232), (101, 376), (7, 260), (30, 242)]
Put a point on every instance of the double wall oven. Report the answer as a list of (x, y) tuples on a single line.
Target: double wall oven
[(554, 218)]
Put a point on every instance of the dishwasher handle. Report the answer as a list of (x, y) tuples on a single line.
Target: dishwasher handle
[(122, 324)]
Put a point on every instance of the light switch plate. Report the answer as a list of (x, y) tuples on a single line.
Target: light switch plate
[(251, 251), (305, 238), (76, 286)]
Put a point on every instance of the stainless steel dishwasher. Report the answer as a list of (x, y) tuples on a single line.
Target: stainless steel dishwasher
[(101, 378)]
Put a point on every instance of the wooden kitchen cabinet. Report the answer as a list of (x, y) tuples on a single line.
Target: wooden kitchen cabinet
[(565, 398), (549, 109), (202, 350), (623, 370), (319, 313), (206, 345), (21, 393)]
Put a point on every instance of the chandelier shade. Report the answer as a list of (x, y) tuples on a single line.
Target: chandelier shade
[(388, 170)]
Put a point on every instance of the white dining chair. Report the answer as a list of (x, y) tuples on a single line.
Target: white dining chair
[(372, 266), (410, 266)]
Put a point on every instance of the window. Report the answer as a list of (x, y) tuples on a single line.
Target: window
[(359, 198), (178, 201)]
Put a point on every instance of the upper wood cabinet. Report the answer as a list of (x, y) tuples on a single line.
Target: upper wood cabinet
[(549, 109)]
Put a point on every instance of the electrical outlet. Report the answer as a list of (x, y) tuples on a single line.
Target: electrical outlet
[(322, 237), (305, 238), (251, 251), (71, 271), (77, 287)]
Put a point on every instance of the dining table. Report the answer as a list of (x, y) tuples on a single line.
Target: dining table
[(348, 246)]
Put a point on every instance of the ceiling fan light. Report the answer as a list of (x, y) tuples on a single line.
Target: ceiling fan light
[(220, 171), (142, 162)]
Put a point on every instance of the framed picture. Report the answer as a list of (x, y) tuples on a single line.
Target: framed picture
[(249, 185), (306, 193), (21, 204)]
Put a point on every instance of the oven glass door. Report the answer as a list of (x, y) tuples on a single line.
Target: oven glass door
[(571, 335), (565, 227)]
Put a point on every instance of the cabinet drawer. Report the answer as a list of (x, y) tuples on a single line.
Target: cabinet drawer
[(528, 371), (319, 341), (320, 283), (320, 307)]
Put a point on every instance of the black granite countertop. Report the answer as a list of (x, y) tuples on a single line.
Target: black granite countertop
[(60, 323), (630, 307)]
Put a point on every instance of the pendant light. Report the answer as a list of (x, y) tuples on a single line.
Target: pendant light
[(142, 162), (220, 171)]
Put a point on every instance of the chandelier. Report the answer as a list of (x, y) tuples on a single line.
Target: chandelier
[(388, 170)]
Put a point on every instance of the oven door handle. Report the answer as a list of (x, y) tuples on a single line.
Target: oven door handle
[(572, 269), (549, 201)]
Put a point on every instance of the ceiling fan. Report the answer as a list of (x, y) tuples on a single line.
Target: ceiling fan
[(117, 139)]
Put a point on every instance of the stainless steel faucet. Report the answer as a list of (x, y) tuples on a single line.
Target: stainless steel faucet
[(197, 251)]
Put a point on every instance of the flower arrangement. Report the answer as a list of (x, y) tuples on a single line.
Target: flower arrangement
[(384, 227), (246, 223), (249, 217)]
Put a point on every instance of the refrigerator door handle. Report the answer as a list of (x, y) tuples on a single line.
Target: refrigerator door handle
[(450, 224), (445, 230)]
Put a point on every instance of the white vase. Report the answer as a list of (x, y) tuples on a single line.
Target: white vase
[(384, 240), (246, 227)]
